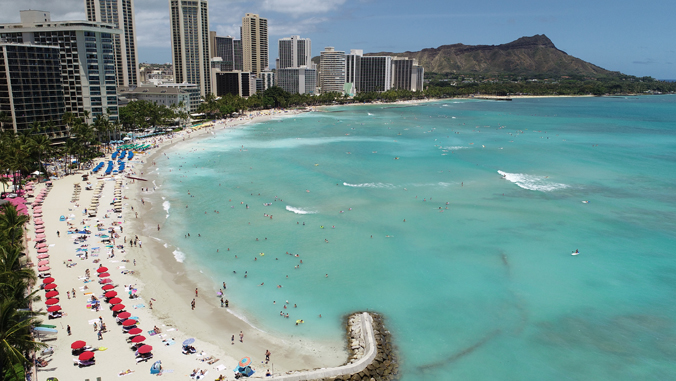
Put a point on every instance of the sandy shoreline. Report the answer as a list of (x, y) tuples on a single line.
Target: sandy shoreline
[(159, 278)]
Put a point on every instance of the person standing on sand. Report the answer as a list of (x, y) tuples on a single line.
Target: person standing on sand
[(241, 337), (192, 304), (196, 293)]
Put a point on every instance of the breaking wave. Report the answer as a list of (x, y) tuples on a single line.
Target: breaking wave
[(299, 210), (179, 256), (369, 185), (531, 182)]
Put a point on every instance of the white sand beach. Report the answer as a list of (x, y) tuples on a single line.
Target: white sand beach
[(158, 279)]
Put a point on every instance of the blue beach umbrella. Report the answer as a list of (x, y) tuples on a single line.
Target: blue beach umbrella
[(188, 342)]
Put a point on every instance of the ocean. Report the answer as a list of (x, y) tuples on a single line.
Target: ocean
[(456, 220)]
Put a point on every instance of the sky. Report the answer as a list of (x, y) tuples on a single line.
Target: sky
[(633, 37)]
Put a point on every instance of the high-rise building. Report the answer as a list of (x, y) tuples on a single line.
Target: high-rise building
[(236, 83), (376, 74), (190, 42), (353, 69), (121, 14), (264, 81), (239, 55), (297, 80), (87, 59), (332, 66), (294, 52), (30, 87), (255, 43), (224, 48), (406, 74)]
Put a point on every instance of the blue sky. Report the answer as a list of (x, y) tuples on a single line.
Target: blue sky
[(634, 37)]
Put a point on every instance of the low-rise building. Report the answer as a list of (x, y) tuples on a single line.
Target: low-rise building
[(167, 96), (192, 89)]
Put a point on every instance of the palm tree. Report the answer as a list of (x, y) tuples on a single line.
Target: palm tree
[(16, 341), (41, 146), (11, 225)]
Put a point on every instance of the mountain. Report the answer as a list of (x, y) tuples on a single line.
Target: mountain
[(528, 56)]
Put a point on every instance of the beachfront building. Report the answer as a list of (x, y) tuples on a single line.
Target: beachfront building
[(298, 80), (87, 56), (294, 52), (192, 89), (376, 74), (236, 83), (239, 55), (190, 43), (332, 66), (264, 81), (255, 43), (167, 96), (353, 71), (224, 48), (406, 74), (121, 14), (31, 90)]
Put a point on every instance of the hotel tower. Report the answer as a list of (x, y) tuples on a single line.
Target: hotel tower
[(190, 43)]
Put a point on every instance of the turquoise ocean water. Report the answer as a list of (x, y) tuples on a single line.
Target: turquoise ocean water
[(478, 282)]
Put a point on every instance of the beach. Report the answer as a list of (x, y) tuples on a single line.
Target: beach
[(160, 280)]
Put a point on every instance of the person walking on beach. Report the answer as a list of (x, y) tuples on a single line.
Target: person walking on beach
[(58, 234), (241, 337), (68, 329), (267, 356), (196, 293), (192, 304)]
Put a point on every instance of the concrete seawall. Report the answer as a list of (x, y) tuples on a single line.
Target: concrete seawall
[(370, 347)]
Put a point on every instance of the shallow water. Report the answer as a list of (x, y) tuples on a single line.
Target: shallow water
[(478, 282)]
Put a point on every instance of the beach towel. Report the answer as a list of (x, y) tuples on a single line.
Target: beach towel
[(169, 342), (221, 368), (124, 373), (152, 333), (139, 306)]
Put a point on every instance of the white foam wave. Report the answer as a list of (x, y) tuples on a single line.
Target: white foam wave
[(299, 210), (454, 148), (532, 182), (179, 256), (369, 185)]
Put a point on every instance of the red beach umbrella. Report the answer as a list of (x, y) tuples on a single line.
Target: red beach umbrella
[(37, 214), (43, 262), (51, 301), (115, 301), (102, 270), (43, 256), (48, 280), (41, 245), (124, 315), (84, 356), (106, 280), (129, 322), (78, 344), (103, 275), (53, 308), (40, 230), (43, 250), (135, 331), (40, 236), (118, 307), (138, 339), (43, 268), (245, 362), (145, 349), (51, 294), (107, 287), (110, 294), (50, 286)]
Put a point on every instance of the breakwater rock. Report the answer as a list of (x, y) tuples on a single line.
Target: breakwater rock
[(372, 355)]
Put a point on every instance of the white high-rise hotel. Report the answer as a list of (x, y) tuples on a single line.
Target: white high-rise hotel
[(294, 52), (190, 43), (121, 14)]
